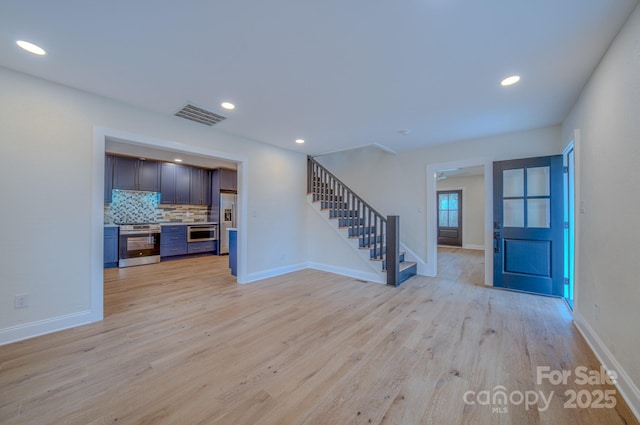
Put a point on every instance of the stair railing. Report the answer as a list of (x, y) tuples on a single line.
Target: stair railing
[(356, 214)]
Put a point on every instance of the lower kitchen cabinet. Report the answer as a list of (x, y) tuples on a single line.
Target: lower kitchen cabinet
[(173, 240), (171, 250), (110, 247), (196, 247)]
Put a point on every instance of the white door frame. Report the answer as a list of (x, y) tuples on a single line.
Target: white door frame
[(578, 210), (432, 231)]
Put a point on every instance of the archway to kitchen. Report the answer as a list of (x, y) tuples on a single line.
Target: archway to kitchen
[(100, 137)]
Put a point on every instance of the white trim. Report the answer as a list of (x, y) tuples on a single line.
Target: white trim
[(356, 274), (625, 385), (576, 224), (45, 326), (473, 246), (277, 271), (96, 232), (432, 255)]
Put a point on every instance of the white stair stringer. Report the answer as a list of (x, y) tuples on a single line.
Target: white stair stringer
[(364, 254)]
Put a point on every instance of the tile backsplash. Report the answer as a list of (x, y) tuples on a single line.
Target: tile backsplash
[(130, 206)]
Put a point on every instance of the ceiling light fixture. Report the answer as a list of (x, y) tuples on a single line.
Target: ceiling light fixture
[(228, 105), (509, 81), (299, 141), (31, 48), (177, 160)]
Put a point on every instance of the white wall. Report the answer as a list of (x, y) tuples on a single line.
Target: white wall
[(396, 183), (46, 181), (472, 207), (607, 305)]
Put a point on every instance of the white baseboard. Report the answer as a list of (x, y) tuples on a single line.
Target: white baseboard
[(626, 387), (356, 274), (277, 271), (46, 326), (473, 246)]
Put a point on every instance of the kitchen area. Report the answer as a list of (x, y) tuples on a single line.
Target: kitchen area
[(166, 206)]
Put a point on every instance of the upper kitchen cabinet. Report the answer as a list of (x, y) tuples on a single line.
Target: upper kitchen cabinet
[(224, 180), (136, 174), (175, 187), (200, 188), (149, 176), (108, 178)]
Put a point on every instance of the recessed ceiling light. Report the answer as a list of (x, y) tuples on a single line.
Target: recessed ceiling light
[(228, 105), (31, 48), (509, 81), (177, 160), (299, 141)]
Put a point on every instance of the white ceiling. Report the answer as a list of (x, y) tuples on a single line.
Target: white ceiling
[(339, 74)]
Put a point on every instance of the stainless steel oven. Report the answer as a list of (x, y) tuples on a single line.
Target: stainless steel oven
[(139, 244), (202, 232)]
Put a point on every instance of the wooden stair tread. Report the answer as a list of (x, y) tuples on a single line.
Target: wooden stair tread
[(406, 264)]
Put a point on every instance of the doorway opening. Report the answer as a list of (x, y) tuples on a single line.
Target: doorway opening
[(100, 137), (473, 178)]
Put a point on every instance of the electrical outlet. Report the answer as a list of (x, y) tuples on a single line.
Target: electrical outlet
[(21, 301)]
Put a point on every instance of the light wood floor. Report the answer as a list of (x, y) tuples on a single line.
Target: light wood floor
[(181, 343)]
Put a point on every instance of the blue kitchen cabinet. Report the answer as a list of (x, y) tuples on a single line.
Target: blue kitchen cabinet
[(148, 175), (175, 183), (124, 173), (136, 174), (173, 240), (108, 178), (200, 186), (233, 251), (198, 247), (110, 247), (228, 179)]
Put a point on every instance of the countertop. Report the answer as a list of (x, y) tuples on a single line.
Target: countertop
[(198, 223)]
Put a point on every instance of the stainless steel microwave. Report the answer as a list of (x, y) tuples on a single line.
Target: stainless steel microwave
[(202, 232)]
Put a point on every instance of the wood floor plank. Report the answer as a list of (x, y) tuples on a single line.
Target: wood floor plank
[(183, 343)]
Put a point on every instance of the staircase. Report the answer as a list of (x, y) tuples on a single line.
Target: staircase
[(377, 236)]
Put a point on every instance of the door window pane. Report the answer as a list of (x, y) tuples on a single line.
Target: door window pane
[(538, 213), (513, 210), (444, 219), (444, 201), (453, 202), (453, 218), (538, 181), (513, 183)]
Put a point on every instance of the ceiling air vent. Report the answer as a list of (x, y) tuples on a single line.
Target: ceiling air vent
[(200, 115)]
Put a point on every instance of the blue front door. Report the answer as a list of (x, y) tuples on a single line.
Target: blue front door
[(528, 225)]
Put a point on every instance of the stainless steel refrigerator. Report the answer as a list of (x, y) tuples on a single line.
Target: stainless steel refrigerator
[(228, 203)]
